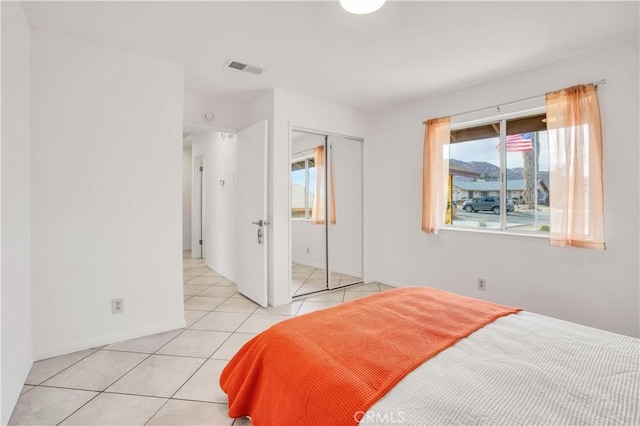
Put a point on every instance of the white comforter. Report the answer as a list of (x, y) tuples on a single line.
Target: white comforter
[(523, 369)]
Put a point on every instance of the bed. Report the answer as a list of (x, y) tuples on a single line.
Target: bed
[(423, 356)]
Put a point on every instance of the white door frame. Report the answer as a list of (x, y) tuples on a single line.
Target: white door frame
[(198, 195)]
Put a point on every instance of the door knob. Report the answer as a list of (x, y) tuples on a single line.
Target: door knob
[(261, 223)]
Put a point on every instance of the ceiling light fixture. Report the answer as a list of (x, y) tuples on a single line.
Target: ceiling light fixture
[(361, 7)]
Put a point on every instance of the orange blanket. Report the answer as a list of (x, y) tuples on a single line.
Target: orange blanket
[(325, 367)]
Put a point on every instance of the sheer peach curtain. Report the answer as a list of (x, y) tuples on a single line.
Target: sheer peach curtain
[(318, 211), (575, 169), (435, 174)]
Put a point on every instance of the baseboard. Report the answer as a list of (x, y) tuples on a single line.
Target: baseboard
[(385, 281), (306, 263), (106, 340), (13, 389), (338, 271), (221, 271), (350, 273), (273, 302)]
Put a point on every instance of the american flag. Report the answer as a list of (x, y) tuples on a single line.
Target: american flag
[(519, 143)]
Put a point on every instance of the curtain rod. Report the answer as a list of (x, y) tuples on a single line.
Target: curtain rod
[(304, 150), (595, 83)]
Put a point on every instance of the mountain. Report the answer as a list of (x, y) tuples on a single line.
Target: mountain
[(492, 172), (486, 170)]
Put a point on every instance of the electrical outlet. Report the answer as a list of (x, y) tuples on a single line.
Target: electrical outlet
[(117, 306), (482, 284)]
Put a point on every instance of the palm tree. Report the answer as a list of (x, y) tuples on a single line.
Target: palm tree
[(531, 165)]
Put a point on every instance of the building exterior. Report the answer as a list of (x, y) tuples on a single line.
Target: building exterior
[(465, 190), (300, 203)]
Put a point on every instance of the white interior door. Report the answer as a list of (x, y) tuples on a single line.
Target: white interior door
[(252, 213)]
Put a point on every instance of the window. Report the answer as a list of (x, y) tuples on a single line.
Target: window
[(303, 184), (499, 176)]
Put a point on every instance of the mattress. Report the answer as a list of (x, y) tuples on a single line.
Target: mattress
[(322, 367), (522, 369), (485, 365)]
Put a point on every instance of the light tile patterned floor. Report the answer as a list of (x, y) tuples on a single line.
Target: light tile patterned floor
[(169, 378), (307, 279)]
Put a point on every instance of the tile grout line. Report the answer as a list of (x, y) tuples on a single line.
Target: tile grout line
[(298, 310), (107, 387), (193, 277), (209, 285), (231, 333), (187, 328), (137, 365), (157, 411), (51, 377), (79, 408), (197, 400), (31, 387), (201, 365), (149, 355), (100, 392), (209, 358), (41, 384)]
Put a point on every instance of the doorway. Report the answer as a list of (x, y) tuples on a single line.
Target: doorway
[(326, 212)]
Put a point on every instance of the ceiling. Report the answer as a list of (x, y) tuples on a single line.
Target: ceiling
[(404, 51)]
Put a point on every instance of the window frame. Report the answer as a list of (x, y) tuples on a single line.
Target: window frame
[(502, 120), (307, 208)]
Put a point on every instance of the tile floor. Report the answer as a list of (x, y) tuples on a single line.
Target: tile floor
[(307, 279), (169, 378)]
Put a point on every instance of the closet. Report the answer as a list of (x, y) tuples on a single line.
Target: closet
[(326, 211)]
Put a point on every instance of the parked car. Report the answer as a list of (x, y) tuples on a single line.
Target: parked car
[(486, 204)]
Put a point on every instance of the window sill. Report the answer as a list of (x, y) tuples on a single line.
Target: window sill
[(299, 219), (497, 233)]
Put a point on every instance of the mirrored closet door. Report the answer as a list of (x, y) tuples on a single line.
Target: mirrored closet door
[(345, 224), (308, 234), (326, 212)]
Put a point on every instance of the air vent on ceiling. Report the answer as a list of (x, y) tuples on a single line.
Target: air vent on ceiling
[(243, 67)]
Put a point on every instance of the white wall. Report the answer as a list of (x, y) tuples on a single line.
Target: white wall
[(17, 355), (293, 109), (106, 194), (219, 200), (228, 115), (308, 243), (187, 171), (596, 288)]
